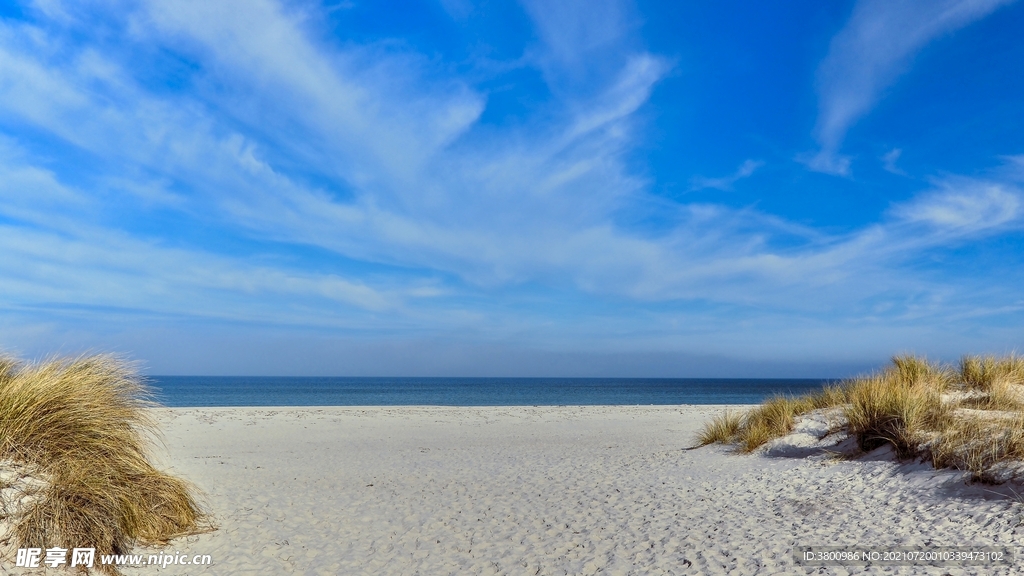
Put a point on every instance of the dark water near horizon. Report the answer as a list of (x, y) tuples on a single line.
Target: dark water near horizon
[(193, 391)]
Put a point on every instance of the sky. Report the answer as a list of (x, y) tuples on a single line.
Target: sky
[(533, 188)]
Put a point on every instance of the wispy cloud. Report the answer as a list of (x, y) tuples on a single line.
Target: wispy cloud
[(872, 50), (54, 255), (583, 41), (889, 160), (372, 107), (725, 183), (965, 206)]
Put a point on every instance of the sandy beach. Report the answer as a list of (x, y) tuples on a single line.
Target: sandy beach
[(545, 490)]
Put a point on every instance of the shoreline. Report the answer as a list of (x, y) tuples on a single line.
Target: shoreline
[(542, 489)]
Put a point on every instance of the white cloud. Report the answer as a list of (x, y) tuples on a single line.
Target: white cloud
[(725, 183), (571, 29), (1014, 167), (91, 267), (368, 107), (965, 206), (630, 90), (872, 50), (889, 160), (827, 162)]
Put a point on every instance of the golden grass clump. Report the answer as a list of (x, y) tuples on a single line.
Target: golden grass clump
[(84, 422), (722, 428), (892, 408), (911, 371), (830, 396), (981, 372), (970, 417), (770, 420), (999, 378), (978, 444)]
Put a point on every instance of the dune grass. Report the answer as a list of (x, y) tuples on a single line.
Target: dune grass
[(84, 423), (980, 445), (997, 377), (982, 372), (722, 428), (969, 417), (772, 419), (888, 409)]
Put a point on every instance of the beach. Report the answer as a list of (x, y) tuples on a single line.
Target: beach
[(546, 490)]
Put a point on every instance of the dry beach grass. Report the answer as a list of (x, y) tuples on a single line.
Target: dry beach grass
[(969, 417), (82, 428)]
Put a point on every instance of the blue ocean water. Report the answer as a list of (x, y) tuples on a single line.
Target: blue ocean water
[(184, 391)]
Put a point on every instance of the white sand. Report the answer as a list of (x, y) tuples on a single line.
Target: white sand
[(544, 490)]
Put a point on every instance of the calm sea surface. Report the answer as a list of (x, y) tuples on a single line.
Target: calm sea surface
[(185, 391)]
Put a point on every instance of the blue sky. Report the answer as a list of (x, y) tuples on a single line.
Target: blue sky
[(545, 187)]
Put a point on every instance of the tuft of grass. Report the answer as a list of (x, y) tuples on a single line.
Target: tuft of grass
[(829, 397), (978, 445), (85, 423), (722, 429), (911, 371), (7, 368), (1001, 379), (982, 372), (892, 409), (770, 420)]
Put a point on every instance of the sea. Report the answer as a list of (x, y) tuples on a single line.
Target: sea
[(196, 391)]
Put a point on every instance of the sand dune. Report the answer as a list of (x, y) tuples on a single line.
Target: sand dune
[(544, 490)]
